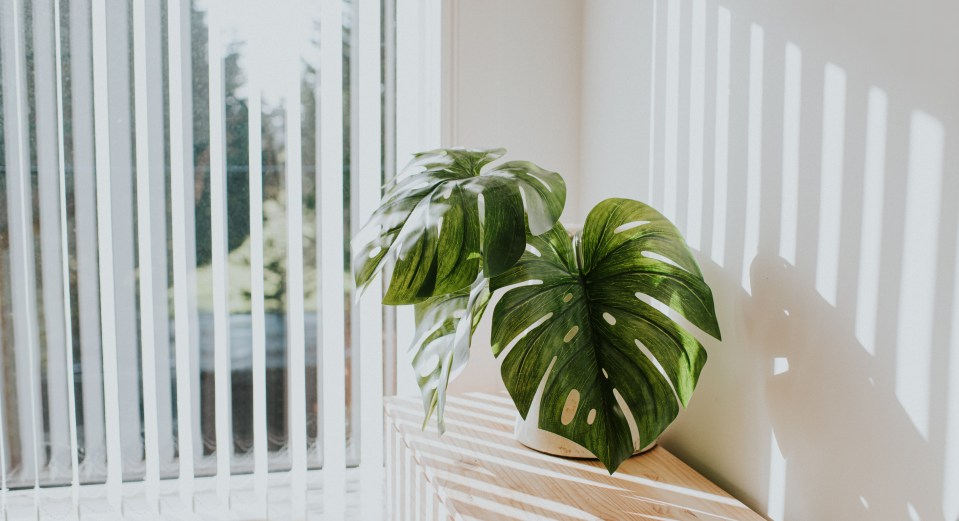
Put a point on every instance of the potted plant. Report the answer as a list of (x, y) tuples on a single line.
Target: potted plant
[(588, 352)]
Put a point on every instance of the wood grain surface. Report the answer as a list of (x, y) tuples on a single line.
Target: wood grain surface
[(477, 470)]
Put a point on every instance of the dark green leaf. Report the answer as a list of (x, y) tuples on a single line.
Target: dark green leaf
[(504, 234), (579, 328)]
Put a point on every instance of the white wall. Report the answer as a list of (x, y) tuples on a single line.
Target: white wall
[(818, 188), (514, 69), (835, 393), (614, 149), (513, 80)]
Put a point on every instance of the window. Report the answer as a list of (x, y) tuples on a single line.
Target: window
[(179, 181)]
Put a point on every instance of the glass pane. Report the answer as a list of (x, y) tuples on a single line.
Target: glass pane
[(43, 315)]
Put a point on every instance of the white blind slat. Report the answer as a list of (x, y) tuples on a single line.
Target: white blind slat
[(65, 274), (260, 452), (102, 113), (218, 228), (85, 210), (407, 116), (331, 258), (389, 171), (158, 235), (47, 147), (370, 341), (5, 14), (20, 219), (123, 242), (148, 165), (181, 195), (295, 314)]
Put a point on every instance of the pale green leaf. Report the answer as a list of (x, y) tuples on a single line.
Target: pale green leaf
[(429, 226), (444, 331)]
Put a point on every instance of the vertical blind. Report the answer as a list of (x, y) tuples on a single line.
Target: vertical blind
[(179, 181)]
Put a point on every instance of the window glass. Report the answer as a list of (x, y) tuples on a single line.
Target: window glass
[(51, 225)]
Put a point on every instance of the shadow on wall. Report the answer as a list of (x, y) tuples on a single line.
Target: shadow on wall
[(823, 207)]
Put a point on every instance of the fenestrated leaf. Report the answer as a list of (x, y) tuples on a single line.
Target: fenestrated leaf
[(583, 327), (444, 330), (429, 223)]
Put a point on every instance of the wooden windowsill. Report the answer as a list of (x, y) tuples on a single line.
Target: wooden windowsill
[(477, 470)]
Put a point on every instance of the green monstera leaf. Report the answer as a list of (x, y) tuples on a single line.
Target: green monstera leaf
[(580, 328), (433, 229), (444, 329)]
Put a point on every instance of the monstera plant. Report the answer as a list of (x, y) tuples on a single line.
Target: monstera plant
[(579, 314)]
